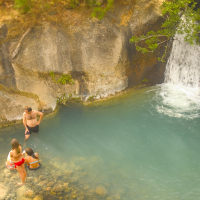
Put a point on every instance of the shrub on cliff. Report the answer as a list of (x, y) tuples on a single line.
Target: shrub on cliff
[(23, 14)]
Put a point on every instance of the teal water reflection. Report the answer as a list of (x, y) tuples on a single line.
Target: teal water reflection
[(123, 144)]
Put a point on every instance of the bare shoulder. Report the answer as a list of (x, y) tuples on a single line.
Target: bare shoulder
[(38, 112)]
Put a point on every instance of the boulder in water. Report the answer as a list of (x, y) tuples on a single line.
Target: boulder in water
[(100, 190), (3, 191), (50, 197), (38, 197), (21, 192), (29, 193), (57, 189)]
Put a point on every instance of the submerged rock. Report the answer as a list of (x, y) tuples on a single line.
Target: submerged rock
[(49, 184), (29, 193), (100, 190), (57, 189), (50, 197), (21, 192), (3, 191), (29, 179), (38, 197), (42, 183)]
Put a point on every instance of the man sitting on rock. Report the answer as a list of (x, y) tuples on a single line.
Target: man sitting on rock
[(30, 121)]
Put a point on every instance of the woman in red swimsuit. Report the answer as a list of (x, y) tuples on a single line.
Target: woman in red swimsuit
[(18, 159)]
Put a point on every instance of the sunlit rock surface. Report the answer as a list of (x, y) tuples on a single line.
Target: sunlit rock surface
[(97, 54)]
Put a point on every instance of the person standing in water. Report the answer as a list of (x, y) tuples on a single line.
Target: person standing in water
[(30, 121), (18, 159)]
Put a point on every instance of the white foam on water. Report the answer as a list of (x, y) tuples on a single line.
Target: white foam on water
[(180, 93)]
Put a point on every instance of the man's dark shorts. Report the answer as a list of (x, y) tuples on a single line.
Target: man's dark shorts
[(34, 129)]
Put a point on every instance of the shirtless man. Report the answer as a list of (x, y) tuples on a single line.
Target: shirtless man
[(30, 121)]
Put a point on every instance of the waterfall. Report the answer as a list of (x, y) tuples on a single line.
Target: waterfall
[(180, 92)]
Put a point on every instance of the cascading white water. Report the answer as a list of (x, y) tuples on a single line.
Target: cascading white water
[(180, 92)]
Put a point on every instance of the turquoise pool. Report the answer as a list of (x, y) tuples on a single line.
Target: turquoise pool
[(123, 145)]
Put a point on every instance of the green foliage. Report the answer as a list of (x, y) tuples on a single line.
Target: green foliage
[(23, 6), (100, 11), (91, 98), (74, 3), (181, 16), (64, 79), (62, 99), (145, 81), (52, 75)]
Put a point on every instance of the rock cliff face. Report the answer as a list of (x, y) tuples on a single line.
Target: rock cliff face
[(97, 54)]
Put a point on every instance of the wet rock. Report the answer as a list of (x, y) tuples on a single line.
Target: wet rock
[(65, 185), (90, 192), (100, 190), (49, 184), (12, 196), (57, 189), (6, 171), (41, 192), (81, 197), (29, 179), (48, 189), (3, 191), (21, 191), (110, 198), (36, 191), (38, 197), (36, 180), (8, 175), (68, 172), (29, 193), (86, 187), (42, 183), (42, 177), (117, 196), (50, 197)]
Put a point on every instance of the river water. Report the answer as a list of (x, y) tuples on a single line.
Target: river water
[(123, 145)]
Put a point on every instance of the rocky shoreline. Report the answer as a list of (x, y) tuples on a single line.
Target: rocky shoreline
[(56, 180)]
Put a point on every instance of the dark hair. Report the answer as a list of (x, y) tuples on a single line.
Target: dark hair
[(15, 145), (30, 152), (29, 109)]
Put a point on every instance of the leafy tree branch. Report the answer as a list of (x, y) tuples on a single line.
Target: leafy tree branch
[(181, 16)]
